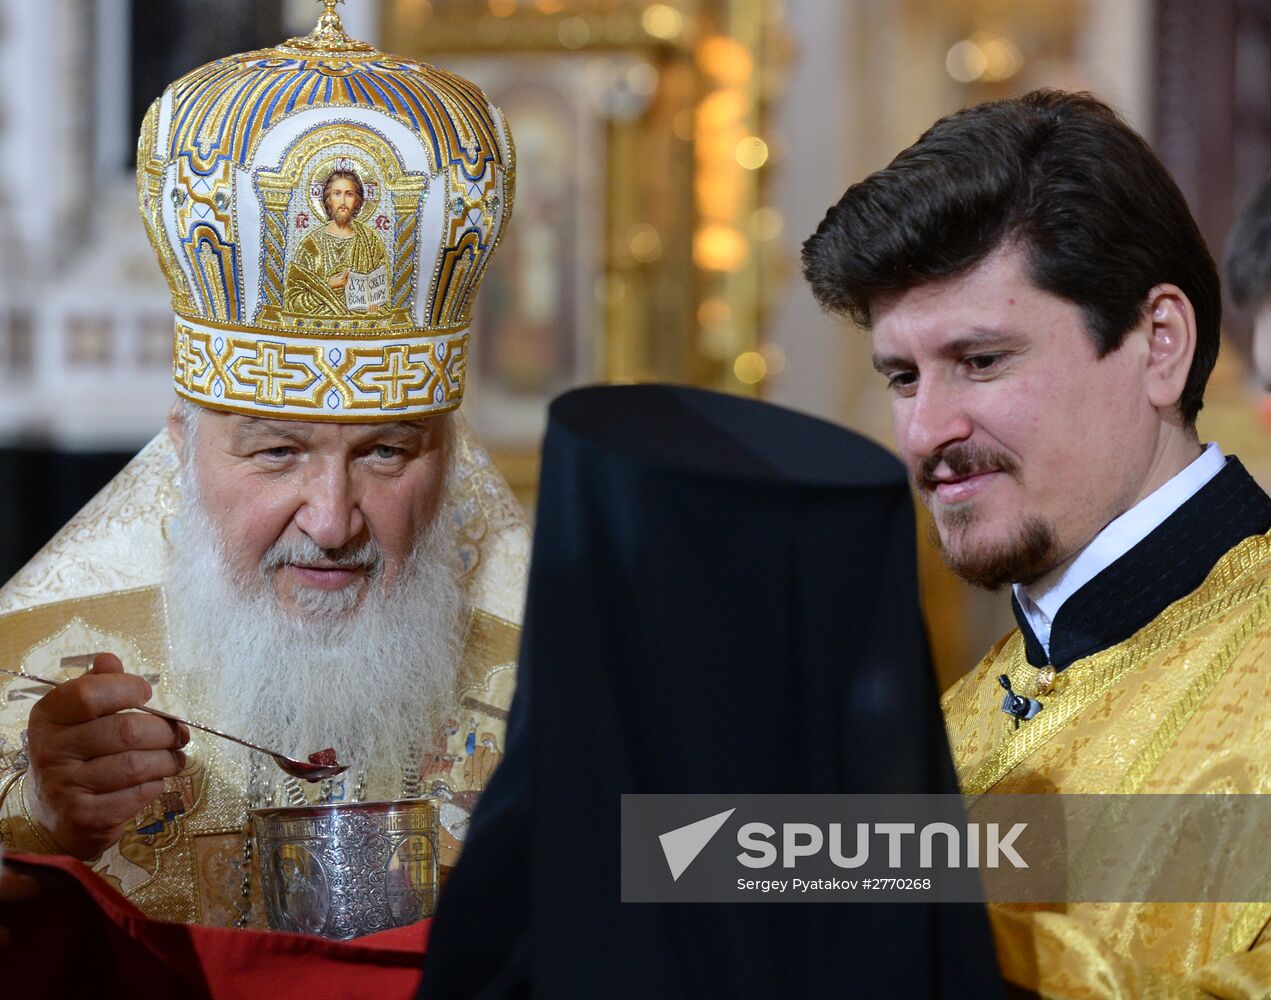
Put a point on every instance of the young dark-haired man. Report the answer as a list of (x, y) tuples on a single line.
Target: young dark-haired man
[(1047, 315)]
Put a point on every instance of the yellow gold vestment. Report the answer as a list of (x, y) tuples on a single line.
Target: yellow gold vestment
[(97, 586), (1182, 707)]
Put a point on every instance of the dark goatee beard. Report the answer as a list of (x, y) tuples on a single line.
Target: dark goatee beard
[(1024, 559)]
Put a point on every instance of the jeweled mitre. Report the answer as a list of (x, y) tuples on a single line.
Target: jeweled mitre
[(324, 214)]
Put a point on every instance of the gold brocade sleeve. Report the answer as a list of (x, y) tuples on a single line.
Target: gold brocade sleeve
[(59, 640), (1058, 957), (18, 830), (1062, 958), (12, 831), (1243, 976)]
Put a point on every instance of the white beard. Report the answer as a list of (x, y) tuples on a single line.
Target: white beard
[(371, 681)]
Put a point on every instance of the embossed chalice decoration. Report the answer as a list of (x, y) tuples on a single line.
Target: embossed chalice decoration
[(341, 870)]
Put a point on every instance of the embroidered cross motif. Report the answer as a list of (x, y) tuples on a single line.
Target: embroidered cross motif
[(271, 374), (395, 377)]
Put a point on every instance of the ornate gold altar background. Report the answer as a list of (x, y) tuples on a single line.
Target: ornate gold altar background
[(673, 156), (642, 248)]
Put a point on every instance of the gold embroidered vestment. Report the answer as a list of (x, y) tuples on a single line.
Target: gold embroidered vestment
[(1181, 707)]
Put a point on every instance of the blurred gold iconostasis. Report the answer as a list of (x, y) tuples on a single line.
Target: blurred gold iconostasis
[(640, 248), (672, 157)]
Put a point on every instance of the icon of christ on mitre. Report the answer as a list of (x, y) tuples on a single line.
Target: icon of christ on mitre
[(339, 268), (317, 552)]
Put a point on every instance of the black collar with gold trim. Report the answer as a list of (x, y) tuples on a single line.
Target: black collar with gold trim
[(1171, 562)]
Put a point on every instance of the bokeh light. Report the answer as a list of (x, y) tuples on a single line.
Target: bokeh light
[(719, 247), (751, 152), (573, 33), (644, 242), (750, 367), (662, 21), (766, 223)]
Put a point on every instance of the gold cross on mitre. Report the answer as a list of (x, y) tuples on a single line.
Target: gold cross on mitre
[(329, 20), (328, 36)]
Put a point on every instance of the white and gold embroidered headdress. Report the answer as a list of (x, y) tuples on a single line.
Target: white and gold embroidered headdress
[(324, 214)]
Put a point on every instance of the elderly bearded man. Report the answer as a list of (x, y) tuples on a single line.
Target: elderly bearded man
[(1046, 315), (317, 553)]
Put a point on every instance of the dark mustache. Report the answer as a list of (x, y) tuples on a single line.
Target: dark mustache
[(962, 460)]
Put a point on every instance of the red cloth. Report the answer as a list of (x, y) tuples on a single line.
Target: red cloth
[(82, 938)]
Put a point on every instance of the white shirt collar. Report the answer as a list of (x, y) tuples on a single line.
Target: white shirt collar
[(1040, 605)]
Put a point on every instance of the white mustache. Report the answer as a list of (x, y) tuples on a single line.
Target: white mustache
[(305, 551)]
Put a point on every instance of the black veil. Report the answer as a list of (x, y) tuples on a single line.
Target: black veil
[(722, 599)]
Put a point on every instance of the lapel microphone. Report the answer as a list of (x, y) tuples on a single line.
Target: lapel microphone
[(1017, 706)]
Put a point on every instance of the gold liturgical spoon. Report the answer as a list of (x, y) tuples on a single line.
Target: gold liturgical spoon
[(296, 768)]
